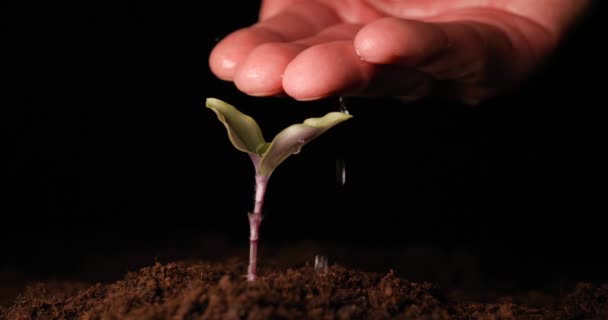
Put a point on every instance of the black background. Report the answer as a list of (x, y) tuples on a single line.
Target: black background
[(109, 150)]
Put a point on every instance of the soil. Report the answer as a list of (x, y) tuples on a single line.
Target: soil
[(218, 290)]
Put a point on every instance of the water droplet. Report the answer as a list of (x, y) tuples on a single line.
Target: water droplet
[(340, 171), (340, 161), (301, 142), (320, 264), (343, 108)]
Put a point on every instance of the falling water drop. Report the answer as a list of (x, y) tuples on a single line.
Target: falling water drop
[(340, 161), (341, 171), (343, 108)]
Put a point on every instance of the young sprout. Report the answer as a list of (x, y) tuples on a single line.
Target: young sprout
[(246, 136)]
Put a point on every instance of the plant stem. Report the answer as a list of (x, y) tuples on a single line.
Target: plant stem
[(255, 218)]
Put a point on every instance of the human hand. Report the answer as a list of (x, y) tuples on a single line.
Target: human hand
[(459, 49)]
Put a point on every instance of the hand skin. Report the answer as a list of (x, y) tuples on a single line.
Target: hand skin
[(469, 50)]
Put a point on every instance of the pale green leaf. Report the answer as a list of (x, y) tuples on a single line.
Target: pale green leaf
[(243, 131), (293, 138)]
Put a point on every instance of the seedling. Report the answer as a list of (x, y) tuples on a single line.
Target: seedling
[(246, 136)]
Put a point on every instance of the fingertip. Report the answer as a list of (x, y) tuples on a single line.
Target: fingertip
[(228, 54), (369, 43), (325, 70), (262, 72), (393, 40), (221, 63)]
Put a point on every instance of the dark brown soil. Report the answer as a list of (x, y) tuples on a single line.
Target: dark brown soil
[(219, 291)]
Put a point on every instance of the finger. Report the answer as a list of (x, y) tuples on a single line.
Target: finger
[(398, 41), (445, 50), (460, 55), (335, 68), (261, 72), (299, 21)]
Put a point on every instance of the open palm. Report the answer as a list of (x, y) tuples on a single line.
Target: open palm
[(311, 49)]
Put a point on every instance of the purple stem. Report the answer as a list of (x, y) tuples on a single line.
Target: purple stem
[(255, 218)]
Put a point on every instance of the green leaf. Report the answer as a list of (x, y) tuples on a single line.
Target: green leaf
[(243, 131), (293, 138)]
